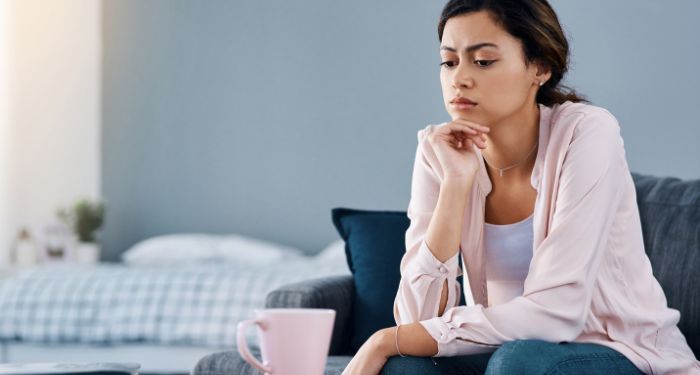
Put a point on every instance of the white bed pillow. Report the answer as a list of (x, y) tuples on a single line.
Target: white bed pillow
[(186, 248), (333, 256)]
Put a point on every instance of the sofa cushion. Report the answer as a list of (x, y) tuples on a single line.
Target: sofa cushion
[(374, 245), (669, 210)]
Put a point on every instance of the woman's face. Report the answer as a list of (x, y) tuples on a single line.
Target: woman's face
[(494, 76)]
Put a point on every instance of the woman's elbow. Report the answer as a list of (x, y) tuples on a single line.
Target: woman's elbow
[(563, 328), (566, 334)]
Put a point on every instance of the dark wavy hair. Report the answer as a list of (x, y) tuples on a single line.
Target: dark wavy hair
[(536, 25)]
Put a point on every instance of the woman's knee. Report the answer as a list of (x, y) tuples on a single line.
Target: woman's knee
[(518, 356), (543, 357)]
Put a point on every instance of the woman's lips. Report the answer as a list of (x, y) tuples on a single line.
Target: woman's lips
[(462, 106)]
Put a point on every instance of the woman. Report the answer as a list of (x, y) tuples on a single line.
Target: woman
[(528, 187)]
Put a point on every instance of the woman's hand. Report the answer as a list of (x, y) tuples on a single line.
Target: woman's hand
[(371, 357), (453, 142)]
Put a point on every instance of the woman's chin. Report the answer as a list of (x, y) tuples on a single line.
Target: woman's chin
[(464, 116)]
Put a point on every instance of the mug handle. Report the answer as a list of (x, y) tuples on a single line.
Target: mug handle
[(242, 344)]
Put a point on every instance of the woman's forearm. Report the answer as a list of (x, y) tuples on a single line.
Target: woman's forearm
[(442, 237), (413, 340), (445, 228)]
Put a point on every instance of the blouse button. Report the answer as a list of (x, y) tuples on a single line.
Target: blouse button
[(443, 269)]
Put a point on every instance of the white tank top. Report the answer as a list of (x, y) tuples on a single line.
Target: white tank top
[(508, 251)]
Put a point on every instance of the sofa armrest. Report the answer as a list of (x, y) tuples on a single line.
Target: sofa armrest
[(332, 292)]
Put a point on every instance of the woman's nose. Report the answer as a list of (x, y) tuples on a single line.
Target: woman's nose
[(461, 77)]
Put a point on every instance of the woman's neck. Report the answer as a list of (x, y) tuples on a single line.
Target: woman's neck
[(510, 140)]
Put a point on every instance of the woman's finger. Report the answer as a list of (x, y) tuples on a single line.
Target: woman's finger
[(479, 140), (473, 125), (461, 136), (474, 129), (461, 127)]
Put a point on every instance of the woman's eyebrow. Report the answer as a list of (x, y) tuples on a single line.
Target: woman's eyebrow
[(471, 48)]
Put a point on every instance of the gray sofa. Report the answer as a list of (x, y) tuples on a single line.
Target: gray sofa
[(670, 214)]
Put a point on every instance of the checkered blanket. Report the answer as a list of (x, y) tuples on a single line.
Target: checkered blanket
[(106, 304)]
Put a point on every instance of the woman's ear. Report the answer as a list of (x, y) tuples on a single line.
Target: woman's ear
[(543, 73)]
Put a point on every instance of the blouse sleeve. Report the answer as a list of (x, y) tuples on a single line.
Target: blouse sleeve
[(422, 274), (559, 286)]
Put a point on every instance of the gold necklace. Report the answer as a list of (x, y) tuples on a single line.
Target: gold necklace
[(501, 170)]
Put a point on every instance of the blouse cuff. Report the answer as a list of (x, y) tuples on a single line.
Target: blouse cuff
[(440, 332), (429, 264), (453, 340)]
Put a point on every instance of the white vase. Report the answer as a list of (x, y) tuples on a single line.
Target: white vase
[(87, 253)]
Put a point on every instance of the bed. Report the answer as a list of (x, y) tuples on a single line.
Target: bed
[(163, 315)]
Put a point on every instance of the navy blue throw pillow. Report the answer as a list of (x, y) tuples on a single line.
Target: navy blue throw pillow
[(374, 245)]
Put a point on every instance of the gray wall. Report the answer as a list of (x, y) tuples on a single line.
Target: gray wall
[(258, 117)]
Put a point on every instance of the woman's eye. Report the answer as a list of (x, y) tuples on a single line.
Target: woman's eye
[(484, 61), (479, 63)]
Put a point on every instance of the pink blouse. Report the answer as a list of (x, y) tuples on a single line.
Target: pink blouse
[(589, 279)]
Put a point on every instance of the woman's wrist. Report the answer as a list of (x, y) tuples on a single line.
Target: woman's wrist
[(413, 340), (463, 180)]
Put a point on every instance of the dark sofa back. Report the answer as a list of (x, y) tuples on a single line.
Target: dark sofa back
[(670, 213)]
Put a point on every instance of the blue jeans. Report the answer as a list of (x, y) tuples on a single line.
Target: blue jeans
[(534, 357)]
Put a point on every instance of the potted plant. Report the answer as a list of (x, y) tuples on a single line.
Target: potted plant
[(85, 218)]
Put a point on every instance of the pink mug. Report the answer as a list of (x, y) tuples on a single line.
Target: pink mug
[(292, 341)]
